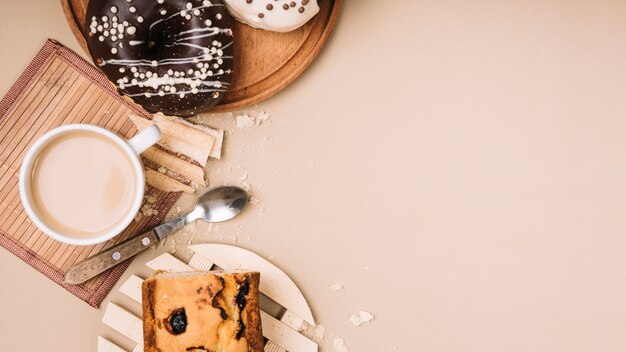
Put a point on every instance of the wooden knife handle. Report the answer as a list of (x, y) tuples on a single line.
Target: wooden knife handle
[(94, 265)]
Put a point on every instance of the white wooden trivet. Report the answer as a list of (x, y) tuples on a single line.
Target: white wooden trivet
[(281, 330)]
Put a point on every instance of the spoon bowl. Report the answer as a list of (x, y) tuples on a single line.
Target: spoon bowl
[(221, 204)]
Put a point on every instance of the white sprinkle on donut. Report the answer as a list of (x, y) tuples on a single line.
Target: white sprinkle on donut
[(132, 9), (139, 19), (196, 12), (208, 23), (113, 50), (105, 19), (122, 70), (189, 6), (154, 63), (131, 30), (113, 9), (160, 1), (218, 16), (163, 12)]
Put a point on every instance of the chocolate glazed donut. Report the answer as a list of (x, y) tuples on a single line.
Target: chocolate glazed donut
[(174, 56)]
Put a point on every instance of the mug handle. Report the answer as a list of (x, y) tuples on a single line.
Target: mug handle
[(145, 139)]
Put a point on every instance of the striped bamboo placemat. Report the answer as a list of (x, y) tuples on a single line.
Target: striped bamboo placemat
[(57, 88)]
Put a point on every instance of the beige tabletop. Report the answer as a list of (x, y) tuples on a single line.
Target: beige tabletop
[(458, 166)]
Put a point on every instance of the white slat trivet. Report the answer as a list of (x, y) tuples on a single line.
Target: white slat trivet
[(284, 331), (274, 284), (105, 345), (169, 263), (290, 340), (284, 336), (124, 322)]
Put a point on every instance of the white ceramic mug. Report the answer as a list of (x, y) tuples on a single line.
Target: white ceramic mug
[(133, 148)]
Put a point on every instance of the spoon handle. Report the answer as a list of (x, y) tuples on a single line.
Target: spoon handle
[(94, 265)]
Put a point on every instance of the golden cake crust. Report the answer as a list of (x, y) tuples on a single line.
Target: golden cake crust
[(202, 311)]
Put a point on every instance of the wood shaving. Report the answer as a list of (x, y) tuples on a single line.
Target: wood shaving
[(262, 117), (339, 345), (361, 317), (336, 286), (245, 120), (319, 331)]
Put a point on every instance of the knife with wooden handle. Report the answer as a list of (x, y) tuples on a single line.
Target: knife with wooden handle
[(94, 265)]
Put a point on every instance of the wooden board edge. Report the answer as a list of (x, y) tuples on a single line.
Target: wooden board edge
[(74, 25)]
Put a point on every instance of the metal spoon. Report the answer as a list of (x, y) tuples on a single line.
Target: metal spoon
[(216, 205)]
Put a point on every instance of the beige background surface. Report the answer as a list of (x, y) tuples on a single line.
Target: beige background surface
[(470, 154)]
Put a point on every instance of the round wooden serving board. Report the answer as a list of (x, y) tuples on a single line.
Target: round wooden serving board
[(265, 62)]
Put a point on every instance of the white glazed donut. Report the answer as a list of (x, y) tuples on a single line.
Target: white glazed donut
[(273, 15)]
